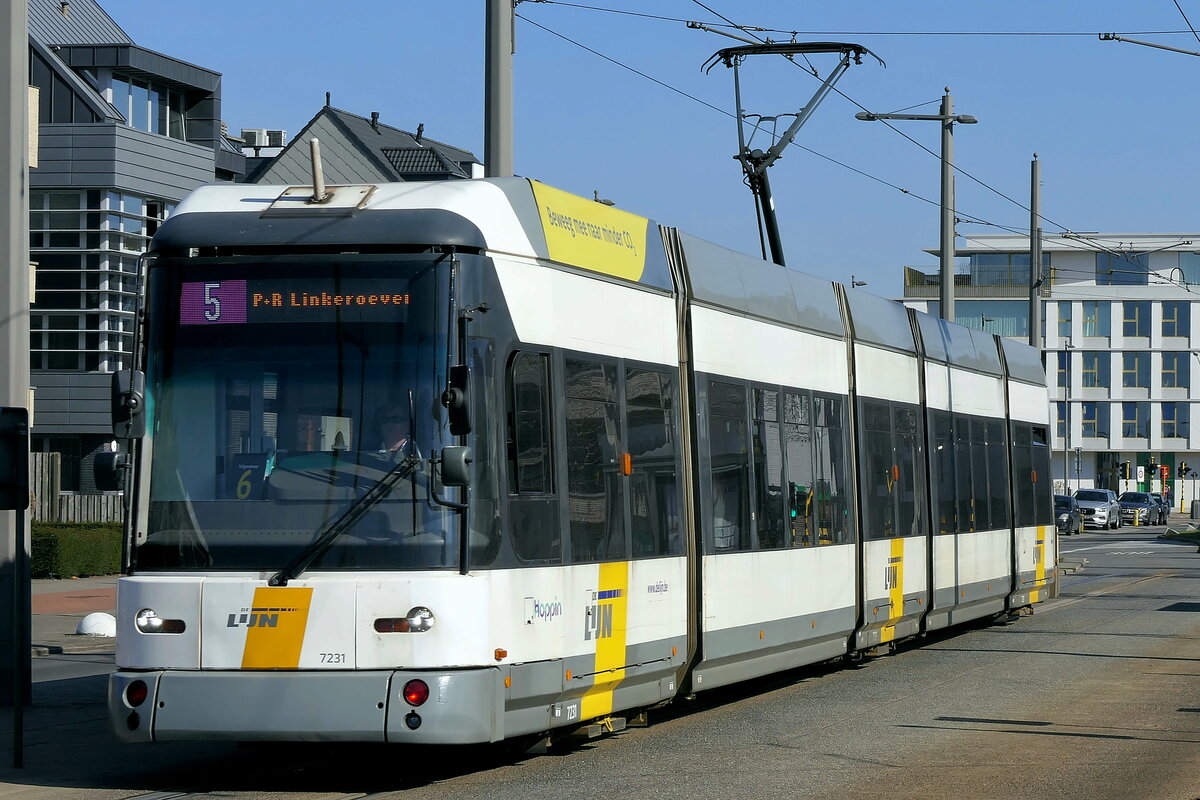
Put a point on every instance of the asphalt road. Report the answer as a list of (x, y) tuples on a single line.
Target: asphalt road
[(1093, 696)]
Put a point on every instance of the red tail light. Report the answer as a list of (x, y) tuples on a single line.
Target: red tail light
[(416, 692), (136, 693)]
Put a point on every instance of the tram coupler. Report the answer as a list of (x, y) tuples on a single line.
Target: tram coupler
[(600, 727)]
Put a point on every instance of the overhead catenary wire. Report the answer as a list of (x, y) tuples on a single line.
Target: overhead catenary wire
[(964, 217), (1183, 14)]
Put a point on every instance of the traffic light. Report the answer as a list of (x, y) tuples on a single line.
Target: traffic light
[(1184, 469), (1124, 470), (1164, 472)]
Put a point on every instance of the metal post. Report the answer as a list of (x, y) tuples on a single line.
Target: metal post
[(14, 333), (946, 294), (1035, 254), (498, 104)]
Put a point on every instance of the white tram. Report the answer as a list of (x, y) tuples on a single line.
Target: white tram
[(633, 465)]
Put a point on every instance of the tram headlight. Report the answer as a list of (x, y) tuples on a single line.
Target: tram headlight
[(148, 621), (419, 618)]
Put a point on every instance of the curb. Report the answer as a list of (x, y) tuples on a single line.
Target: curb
[(99, 644)]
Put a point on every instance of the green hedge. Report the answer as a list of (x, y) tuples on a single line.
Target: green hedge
[(66, 549)]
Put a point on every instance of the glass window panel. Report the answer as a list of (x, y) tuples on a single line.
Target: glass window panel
[(594, 511), (798, 450), (1176, 318), (1096, 369), (729, 478), (1096, 318), (653, 484), (1064, 368), (997, 472), (1136, 318), (880, 472), (1064, 320), (139, 103), (768, 470), (1123, 269)]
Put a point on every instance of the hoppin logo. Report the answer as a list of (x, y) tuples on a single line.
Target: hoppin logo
[(536, 611)]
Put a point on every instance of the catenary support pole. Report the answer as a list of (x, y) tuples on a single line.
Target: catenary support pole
[(14, 340), (1035, 254), (946, 292), (498, 103)]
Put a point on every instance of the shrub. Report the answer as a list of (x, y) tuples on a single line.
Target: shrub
[(66, 549)]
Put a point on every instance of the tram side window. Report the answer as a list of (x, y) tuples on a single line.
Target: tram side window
[(997, 457), (1040, 458), (768, 470), (1022, 476), (729, 459), (980, 499), (910, 485), (831, 486), (654, 500), (594, 506), (941, 443), (880, 471), (532, 502), (798, 456), (965, 483)]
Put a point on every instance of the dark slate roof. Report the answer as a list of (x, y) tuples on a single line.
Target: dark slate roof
[(384, 137), (355, 151), (86, 23), (422, 161)]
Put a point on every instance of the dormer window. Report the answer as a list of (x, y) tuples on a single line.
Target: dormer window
[(148, 106)]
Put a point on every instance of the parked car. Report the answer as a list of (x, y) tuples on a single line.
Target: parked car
[(1099, 507), (1067, 514), (1137, 508), (1164, 507)]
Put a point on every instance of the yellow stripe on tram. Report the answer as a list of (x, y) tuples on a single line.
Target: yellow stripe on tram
[(1039, 564), (895, 586), (608, 626), (276, 623)]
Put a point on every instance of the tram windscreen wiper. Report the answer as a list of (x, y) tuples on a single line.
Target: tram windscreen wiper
[(345, 522)]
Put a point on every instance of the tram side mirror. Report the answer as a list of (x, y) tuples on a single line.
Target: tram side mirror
[(108, 471), (456, 401), (456, 466), (128, 404), (14, 458)]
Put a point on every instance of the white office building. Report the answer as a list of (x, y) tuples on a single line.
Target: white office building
[(1119, 343)]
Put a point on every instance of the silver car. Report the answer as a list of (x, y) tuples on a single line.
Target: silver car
[(1100, 507)]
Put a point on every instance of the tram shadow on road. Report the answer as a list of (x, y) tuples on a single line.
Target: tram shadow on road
[(68, 745)]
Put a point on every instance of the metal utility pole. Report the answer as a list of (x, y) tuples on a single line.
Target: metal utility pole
[(498, 103), (1035, 254), (755, 162), (947, 118), (14, 337)]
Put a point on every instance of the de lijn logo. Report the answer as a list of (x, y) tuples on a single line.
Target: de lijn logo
[(257, 617), (598, 624)]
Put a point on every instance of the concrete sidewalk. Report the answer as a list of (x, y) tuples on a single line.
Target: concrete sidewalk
[(59, 605)]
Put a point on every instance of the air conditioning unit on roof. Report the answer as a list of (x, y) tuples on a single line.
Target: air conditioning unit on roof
[(264, 137)]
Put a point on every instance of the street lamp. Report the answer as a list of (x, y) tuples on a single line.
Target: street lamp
[(855, 282), (947, 117)]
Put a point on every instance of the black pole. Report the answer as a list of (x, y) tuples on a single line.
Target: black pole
[(769, 218), (20, 662)]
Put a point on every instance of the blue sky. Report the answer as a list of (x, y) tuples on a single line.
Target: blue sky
[(1113, 123)]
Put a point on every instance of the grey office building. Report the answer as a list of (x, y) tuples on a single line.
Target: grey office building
[(124, 133)]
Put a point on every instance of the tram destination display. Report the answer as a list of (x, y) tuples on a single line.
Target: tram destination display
[(292, 300)]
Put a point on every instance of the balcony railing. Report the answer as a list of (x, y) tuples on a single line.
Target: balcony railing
[(920, 284)]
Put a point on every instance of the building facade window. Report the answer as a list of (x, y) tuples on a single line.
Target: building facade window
[(1094, 419), (1175, 370), (1060, 415), (148, 106), (1135, 420), (1175, 420), (1095, 369), (1064, 368), (1096, 318), (1136, 318), (1064, 320), (1135, 370), (86, 245), (1176, 318), (1122, 269), (1189, 265)]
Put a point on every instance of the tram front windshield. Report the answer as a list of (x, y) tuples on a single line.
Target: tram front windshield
[(278, 395)]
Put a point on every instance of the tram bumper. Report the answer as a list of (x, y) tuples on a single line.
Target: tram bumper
[(462, 707)]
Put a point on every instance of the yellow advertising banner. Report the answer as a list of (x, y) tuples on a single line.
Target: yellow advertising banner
[(591, 235)]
